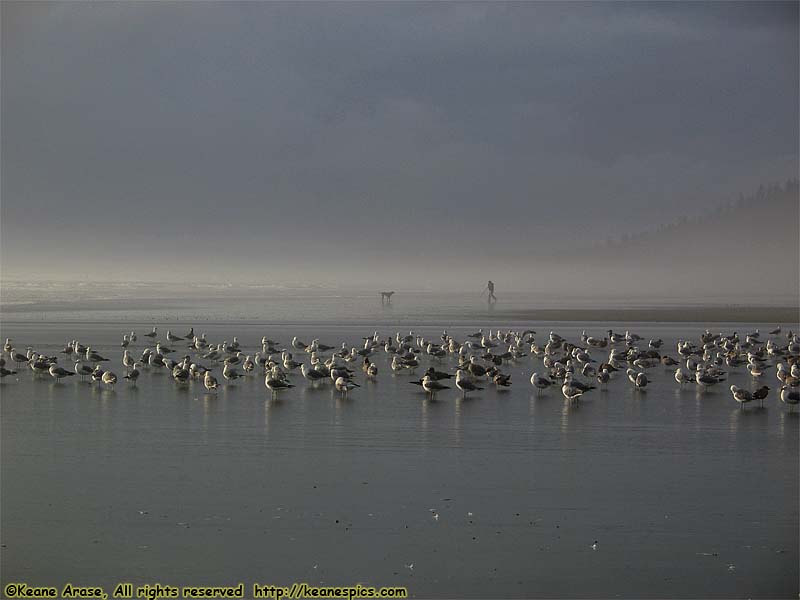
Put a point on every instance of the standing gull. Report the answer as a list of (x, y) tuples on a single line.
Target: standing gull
[(540, 383), (464, 383), (790, 396), (133, 374), (210, 382), (431, 386), (741, 396), (639, 380), (59, 373), (276, 385), (82, 370), (345, 385)]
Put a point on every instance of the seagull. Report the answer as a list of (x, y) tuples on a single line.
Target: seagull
[(639, 380), (502, 380), (109, 378), (410, 363), (790, 396), (39, 365), (97, 374), (230, 373), (210, 382), (432, 386), (311, 374), (760, 394), (198, 371), (4, 372), (181, 374), (437, 375), (644, 363), (172, 337), (681, 377), (569, 378), (336, 372), (289, 364), (435, 351), (475, 369), (397, 364), (487, 343), (94, 356), (82, 370), (59, 373), (615, 338), (17, 357), (598, 343), (741, 396), (127, 360), (233, 360), (152, 334), (540, 383), (588, 370), (572, 392), (704, 380), (757, 370), (345, 385), (464, 384), (603, 377), (632, 337), (133, 374), (276, 385)]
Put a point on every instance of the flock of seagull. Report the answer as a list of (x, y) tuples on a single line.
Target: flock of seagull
[(480, 358)]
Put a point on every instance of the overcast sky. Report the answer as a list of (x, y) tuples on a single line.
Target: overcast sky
[(267, 139)]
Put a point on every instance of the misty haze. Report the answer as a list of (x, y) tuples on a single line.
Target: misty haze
[(442, 299), (426, 146)]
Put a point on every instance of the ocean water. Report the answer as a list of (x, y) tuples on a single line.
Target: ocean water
[(154, 303), (502, 494)]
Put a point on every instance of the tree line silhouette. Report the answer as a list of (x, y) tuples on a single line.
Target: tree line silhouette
[(765, 194)]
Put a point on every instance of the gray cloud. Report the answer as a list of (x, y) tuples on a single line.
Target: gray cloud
[(213, 131)]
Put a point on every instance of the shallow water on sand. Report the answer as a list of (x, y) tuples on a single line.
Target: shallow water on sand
[(498, 495)]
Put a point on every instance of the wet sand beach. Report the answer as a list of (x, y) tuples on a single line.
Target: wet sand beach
[(499, 495)]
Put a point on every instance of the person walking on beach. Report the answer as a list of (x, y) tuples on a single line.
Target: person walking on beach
[(490, 287)]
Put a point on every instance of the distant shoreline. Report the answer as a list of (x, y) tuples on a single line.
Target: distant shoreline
[(768, 315), (689, 314)]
